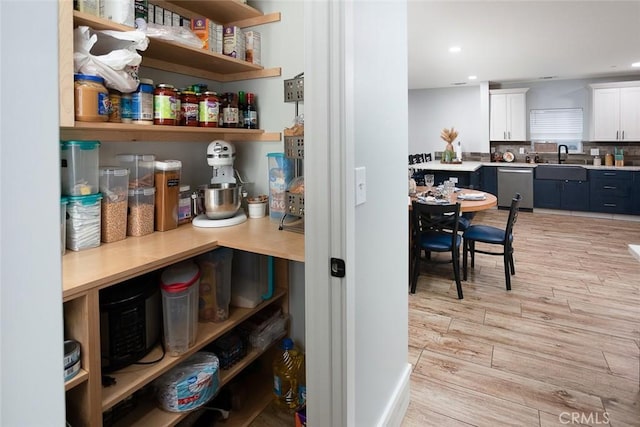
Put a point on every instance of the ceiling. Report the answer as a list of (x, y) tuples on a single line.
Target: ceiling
[(511, 41)]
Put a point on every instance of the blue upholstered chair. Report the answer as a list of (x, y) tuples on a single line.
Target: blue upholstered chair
[(493, 236), (432, 232)]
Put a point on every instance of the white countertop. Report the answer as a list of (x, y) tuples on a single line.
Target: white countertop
[(471, 166), (635, 251)]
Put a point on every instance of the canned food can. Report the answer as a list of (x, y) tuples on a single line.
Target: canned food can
[(142, 103), (125, 108)]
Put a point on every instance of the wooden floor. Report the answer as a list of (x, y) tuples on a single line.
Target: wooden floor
[(561, 348)]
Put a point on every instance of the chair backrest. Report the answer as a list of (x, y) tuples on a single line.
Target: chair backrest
[(426, 157), (435, 217), (513, 217)]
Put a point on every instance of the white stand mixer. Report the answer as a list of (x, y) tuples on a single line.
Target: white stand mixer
[(220, 156)]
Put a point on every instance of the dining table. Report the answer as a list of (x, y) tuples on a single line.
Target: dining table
[(466, 205), (471, 205)]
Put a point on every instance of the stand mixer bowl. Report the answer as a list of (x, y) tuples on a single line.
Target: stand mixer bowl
[(221, 201)]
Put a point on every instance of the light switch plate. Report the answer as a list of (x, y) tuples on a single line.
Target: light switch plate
[(521, 150), (453, 179), (361, 185), (595, 151)]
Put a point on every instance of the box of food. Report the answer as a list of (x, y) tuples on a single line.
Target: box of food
[(201, 27), (233, 42), (252, 51)]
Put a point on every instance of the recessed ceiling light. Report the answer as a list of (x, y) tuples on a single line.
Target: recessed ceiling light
[(473, 77), (455, 49), (636, 64)]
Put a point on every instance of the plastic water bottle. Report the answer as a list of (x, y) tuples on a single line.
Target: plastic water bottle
[(286, 368)]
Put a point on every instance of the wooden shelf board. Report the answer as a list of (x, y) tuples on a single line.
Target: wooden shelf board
[(220, 11), (134, 377), (175, 57), (133, 132), (80, 377), (114, 262)]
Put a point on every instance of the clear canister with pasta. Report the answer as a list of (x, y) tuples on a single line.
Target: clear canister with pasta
[(167, 181)]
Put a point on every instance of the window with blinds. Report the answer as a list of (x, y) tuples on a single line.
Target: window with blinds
[(560, 125)]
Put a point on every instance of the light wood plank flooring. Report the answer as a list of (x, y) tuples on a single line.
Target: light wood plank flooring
[(561, 348)]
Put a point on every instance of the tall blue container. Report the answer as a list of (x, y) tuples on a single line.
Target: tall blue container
[(281, 171)]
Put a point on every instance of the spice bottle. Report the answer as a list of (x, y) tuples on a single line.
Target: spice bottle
[(167, 180)]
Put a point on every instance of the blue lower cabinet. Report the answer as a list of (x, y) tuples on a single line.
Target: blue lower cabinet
[(635, 194), (565, 195), (489, 179), (612, 191)]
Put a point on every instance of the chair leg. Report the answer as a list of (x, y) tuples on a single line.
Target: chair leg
[(456, 272), (416, 271), (472, 248), (465, 244), (507, 268), (513, 264)]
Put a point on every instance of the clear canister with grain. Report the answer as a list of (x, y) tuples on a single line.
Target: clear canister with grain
[(141, 168), (91, 98), (140, 212), (114, 186), (167, 181)]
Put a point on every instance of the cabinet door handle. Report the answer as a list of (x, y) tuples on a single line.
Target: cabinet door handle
[(509, 133), (609, 174), (617, 133), (609, 187), (622, 134), (610, 205), (504, 134)]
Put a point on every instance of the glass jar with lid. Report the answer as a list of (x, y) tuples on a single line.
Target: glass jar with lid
[(164, 105), (91, 100)]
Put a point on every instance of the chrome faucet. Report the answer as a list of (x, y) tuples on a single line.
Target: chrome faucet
[(566, 150)]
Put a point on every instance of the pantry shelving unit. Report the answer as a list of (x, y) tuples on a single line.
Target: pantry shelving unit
[(86, 272), (168, 56)]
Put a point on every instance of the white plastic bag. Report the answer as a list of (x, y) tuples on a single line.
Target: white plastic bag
[(111, 55)]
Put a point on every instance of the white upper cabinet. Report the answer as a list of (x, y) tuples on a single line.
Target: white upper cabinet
[(616, 112), (508, 114)]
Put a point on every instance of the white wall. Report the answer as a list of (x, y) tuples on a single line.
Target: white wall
[(431, 110), (381, 247), (31, 333)]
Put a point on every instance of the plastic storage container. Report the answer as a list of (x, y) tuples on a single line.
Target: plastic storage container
[(79, 167), (83, 222), (280, 173), (63, 224), (114, 186), (180, 286), (141, 169), (215, 284), (249, 279), (140, 212), (167, 180)]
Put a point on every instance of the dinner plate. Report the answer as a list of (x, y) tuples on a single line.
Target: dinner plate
[(508, 157), (472, 197)]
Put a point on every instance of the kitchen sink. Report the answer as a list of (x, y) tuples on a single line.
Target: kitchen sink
[(561, 172)]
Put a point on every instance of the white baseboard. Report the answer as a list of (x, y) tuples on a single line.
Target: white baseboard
[(399, 402)]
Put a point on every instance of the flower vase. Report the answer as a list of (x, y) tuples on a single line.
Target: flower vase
[(449, 154)]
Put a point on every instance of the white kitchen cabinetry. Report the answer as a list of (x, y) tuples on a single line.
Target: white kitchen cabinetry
[(616, 112), (508, 114)]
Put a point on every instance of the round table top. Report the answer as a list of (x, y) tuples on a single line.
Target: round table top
[(470, 205)]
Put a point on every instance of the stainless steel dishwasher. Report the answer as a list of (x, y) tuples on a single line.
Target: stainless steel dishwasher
[(514, 180)]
